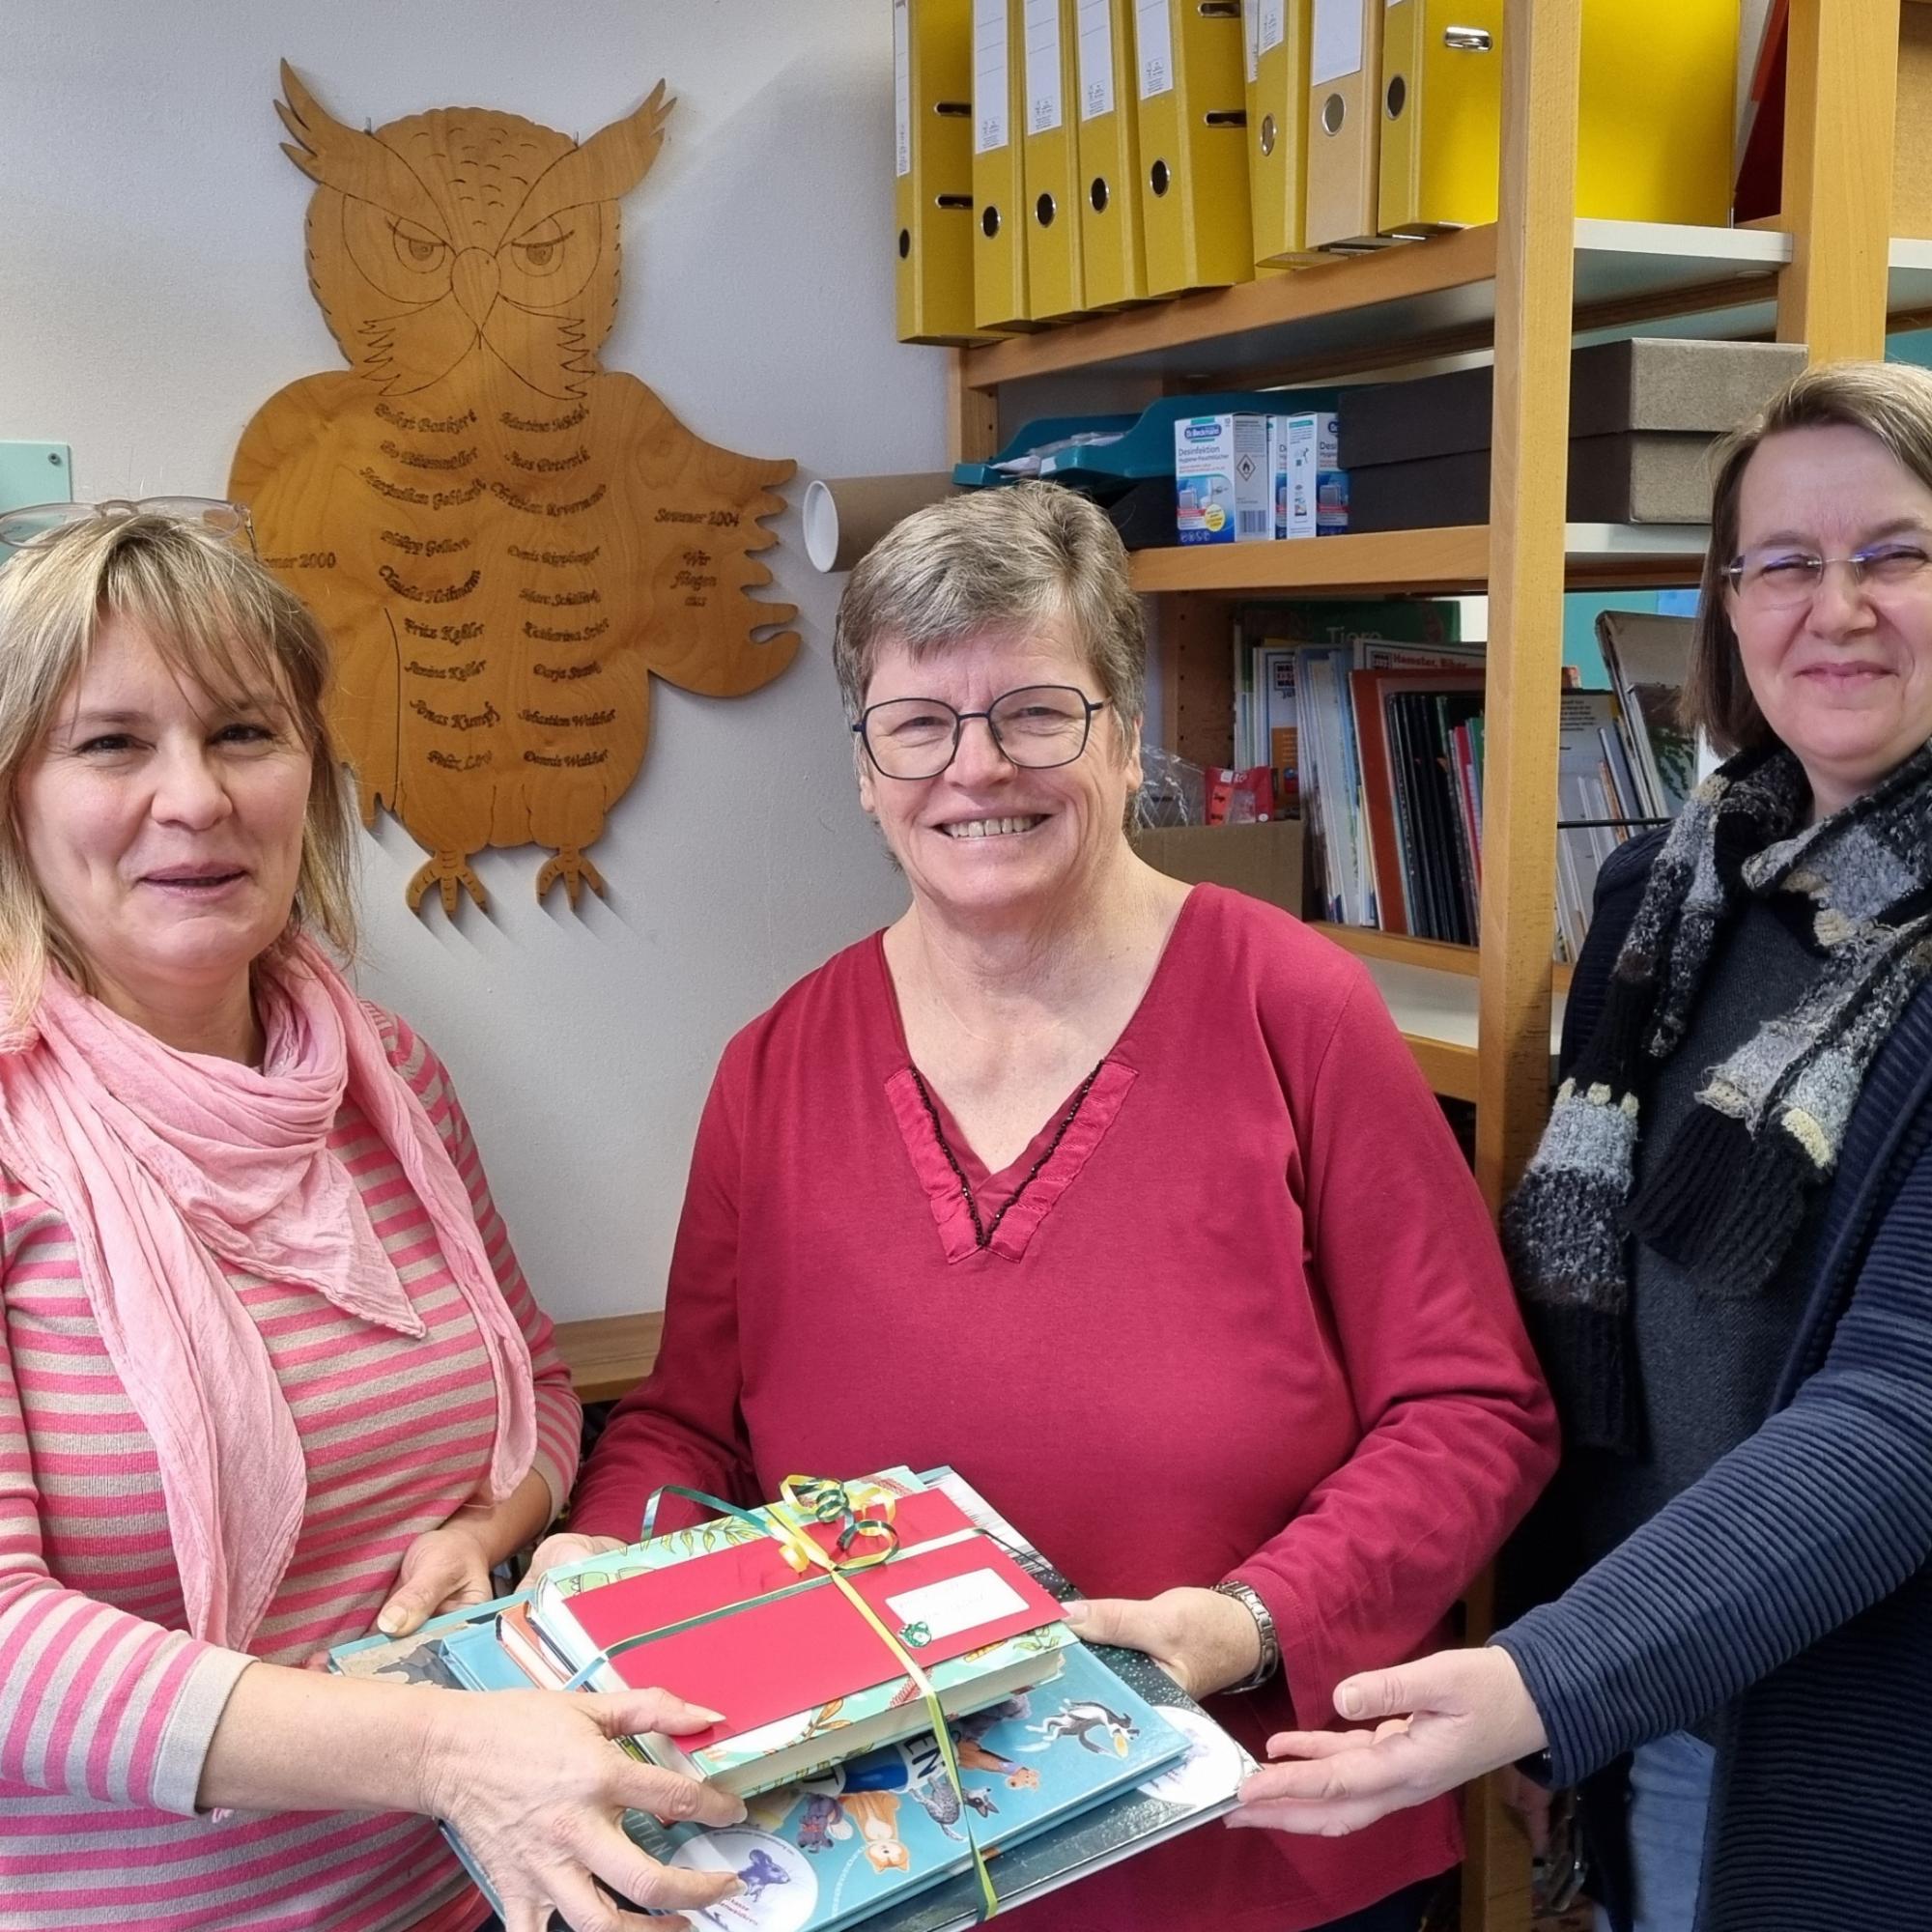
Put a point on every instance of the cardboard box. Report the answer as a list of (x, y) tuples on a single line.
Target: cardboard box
[(1224, 491), (1263, 861)]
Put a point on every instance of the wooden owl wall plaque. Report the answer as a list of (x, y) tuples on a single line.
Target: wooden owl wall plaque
[(504, 540)]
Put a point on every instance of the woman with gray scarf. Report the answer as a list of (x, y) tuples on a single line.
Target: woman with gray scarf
[(1724, 1246)]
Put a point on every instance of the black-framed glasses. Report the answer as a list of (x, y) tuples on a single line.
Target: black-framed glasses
[(1038, 726), (230, 521), (1778, 577)]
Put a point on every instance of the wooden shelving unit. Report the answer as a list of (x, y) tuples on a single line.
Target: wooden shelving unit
[(1530, 288)]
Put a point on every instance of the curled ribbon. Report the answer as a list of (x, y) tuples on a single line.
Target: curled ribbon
[(819, 1500)]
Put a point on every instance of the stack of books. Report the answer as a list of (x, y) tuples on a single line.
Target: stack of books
[(1071, 1757)]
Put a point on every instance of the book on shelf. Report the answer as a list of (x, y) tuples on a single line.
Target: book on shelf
[(1648, 658), (1332, 791), (1412, 797), (1059, 1780)]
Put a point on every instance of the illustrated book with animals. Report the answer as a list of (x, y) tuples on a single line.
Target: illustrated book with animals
[(1077, 1819), (877, 1832)]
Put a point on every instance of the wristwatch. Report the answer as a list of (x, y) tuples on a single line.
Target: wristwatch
[(1265, 1626)]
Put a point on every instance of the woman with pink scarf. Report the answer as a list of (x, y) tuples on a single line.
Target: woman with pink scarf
[(269, 1375)]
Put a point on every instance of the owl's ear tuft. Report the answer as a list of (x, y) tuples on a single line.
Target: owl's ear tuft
[(360, 165), (604, 168)]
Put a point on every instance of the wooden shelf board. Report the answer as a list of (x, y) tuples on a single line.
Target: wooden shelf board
[(1439, 955), (1436, 1012), (609, 1356), (1404, 302), (1456, 558)]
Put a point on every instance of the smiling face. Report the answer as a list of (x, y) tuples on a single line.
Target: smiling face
[(1845, 681), (163, 827), (988, 838)]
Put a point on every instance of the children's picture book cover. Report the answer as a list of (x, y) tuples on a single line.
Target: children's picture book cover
[(1109, 1759)]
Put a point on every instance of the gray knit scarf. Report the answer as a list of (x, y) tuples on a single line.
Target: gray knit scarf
[(1733, 1186)]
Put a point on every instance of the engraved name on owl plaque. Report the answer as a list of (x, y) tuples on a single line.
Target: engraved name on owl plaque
[(504, 540)]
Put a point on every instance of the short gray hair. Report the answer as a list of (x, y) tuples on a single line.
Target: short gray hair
[(1024, 554), (219, 621)]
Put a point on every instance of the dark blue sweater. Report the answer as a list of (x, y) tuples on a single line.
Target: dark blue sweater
[(1795, 1575)]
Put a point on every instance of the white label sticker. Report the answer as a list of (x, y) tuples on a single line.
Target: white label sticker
[(1336, 49), (1251, 27), (1045, 107), (992, 77), (1153, 34), (902, 91), (1096, 58), (1274, 24), (958, 1604)]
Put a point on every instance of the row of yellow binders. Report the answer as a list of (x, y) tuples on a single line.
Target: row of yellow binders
[(1059, 156)]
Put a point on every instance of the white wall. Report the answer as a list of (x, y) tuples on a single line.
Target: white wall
[(152, 296)]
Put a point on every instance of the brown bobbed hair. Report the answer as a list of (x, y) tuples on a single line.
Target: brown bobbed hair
[(226, 628), (1891, 401)]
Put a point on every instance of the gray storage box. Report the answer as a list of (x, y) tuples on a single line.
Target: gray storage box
[(1642, 416), (1643, 478)]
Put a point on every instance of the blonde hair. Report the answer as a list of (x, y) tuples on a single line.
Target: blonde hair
[(1029, 553), (1891, 401), (220, 622)]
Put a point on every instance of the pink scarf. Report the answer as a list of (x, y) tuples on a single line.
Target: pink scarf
[(168, 1166)]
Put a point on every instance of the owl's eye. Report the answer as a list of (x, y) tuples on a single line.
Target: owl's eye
[(416, 247), (541, 248)]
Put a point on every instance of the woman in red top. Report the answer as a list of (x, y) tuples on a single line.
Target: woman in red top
[(1125, 1200)]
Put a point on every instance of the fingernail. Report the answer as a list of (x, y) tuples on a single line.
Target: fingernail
[(709, 1716), (1074, 1613), (1349, 1701), (390, 1623), (732, 1890)]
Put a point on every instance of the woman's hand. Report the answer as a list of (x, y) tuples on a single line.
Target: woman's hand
[(569, 1547), (1446, 1718), (535, 1786), (1204, 1641), (448, 1568), (445, 1568)]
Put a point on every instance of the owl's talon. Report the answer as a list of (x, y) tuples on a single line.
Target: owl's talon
[(574, 871), (451, 872)]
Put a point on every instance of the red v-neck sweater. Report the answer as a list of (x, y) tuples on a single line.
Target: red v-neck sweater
[(1249, 1320)]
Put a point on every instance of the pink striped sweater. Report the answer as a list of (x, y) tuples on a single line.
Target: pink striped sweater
[(107, 1704)]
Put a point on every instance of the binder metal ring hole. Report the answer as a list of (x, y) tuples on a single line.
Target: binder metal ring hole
[(1158, 178), (1044, 210), (1097, 195), (1398, 96), (1466, 39), (1333, 112), (905, 243), (1267, 134), (989, 222)]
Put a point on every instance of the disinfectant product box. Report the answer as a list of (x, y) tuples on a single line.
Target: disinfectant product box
[(1318, 490), (1277, 468), (1222, 484)]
